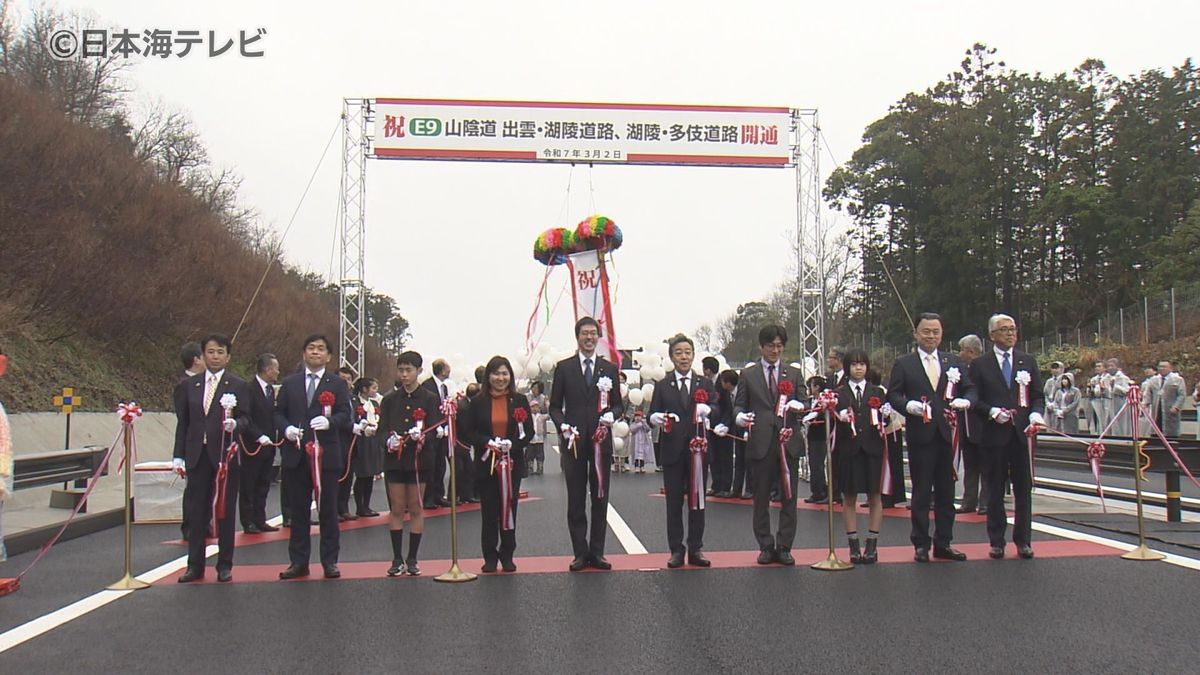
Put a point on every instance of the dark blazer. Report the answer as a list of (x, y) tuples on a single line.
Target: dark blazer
[(668, 398), (865, 438), (573, 401), (754, 396), (193, 426), (909, 383), (396, 414), (995, 392), (262, 416), (723, 410), (475, 424), (291, 409), (972, 420)]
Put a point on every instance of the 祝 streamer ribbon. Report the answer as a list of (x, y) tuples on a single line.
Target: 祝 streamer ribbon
[(699, 454)]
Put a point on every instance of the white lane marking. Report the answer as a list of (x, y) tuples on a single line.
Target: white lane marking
[(625, 535), (1181, 561), (48, 622), (1113, 490)]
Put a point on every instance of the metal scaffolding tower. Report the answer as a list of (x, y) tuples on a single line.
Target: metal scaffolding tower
[(356, 147), (810, 237)]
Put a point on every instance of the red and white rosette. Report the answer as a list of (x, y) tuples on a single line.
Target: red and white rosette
[(874, 404), (698, 457), (228, 402), (449, 410), (605, 385), (598, 463), (519, 416), (502, 469), (128, 413), (786, 388), (953, 376), (701, 398), (1022, 380)]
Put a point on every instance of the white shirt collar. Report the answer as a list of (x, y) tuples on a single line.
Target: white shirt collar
[(319, 373), (1001, 352), (262, 384), (925, 355), (218, 375), (583, 357), (765, 364), (683, 376)]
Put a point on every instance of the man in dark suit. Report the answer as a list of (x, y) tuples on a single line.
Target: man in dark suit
[(755, 406), (918, 388), (259, 435), (675, 397), (975, 488), (435, 489), (1011, 397), (722, 445), (191, 357), (578, 411), (301, 417), (203, 432)]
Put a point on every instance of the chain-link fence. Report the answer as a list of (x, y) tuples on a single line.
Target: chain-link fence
[(1164, 316)]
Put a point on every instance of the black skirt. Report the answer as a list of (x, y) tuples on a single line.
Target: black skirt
[(403, 477), (859, 473), (368, 456)]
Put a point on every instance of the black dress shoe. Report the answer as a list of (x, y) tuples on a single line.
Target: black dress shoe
[(351, 516), (1025, 552), (368, 514), (411, 568), (601, 563), (922, 555), (508, 565), (766, 556), (578, 564), (443, 502), (251, 529), (676, 560), (190, 576), (949, 553), (996, 552), (747, 495), (396, 569), (224, 576), (431, 506), (726, 494), (709, 492), (784, 557), (332, 571), (697, 559), (474, 500), (287, 522), (264, 527), (343, 517), (982, 511), (488, 567), (965, 509), (817, 500), (294, 572)]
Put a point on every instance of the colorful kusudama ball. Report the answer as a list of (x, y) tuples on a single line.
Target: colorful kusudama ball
[(596, 233)]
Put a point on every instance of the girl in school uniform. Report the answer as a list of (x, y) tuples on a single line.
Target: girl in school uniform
[(859, 452)]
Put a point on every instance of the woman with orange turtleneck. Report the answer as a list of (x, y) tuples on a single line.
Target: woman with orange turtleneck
[(499, 425)]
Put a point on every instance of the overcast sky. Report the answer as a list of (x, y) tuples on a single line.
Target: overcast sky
[(452, 241)]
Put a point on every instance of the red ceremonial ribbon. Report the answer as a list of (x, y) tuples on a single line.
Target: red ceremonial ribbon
[(502, 460), (1134, 398), (598, 459), (785, 476), (519, 416), (1095, 452), (785, 392), (955, 442), (231, 453), (926, 416)]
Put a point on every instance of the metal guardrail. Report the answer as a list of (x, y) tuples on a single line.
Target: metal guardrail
[(39, 469)]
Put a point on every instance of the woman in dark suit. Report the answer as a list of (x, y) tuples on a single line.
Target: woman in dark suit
[(859, 451), (499, 425)]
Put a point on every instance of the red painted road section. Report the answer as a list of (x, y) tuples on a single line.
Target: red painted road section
[(653, 562)]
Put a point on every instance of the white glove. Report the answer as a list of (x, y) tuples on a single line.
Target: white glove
[(292, 434), (658, 419), (415, 433), (442, 432), (960, 404), (229, 425), (703, 410), (1036, 419), (744, 419), (607, 419), (370, 429), (178, 466), (567, 431), (357, 429), (810, 417), (1000, 416), (1061, 414), (319, 423), (916, 408), (393, 441), (796, 406), (264, 440), (505, 444), (887, 409), (721, 430), (844, 415)]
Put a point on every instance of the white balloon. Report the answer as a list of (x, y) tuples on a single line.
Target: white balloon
[(533, 369), (635, 359), (654, 360), (621, 429), (518, 369), (618, 444), (721, 360), (645, 371), (659, 373), (647, 391), (546, 363), (662, 349), (624, 390), (635, 397), (544, 348)]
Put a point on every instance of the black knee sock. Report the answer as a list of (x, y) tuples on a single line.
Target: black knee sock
[(872, 534), (397, 544), (414, 545)]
